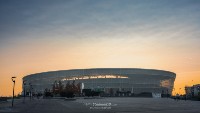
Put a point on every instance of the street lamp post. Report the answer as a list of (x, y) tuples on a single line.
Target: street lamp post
[(13, 79), (24, 83)]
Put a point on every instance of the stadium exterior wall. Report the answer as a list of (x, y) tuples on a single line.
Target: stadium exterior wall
[(109, 80)]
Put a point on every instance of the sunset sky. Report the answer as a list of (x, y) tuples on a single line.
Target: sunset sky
[(48, 35)]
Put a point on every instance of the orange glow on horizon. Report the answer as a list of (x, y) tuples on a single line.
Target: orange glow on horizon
[(52, 35), (180, 83), (112, 53), (106, 54)]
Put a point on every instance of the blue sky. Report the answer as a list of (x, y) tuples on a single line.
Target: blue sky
[(170, 25), (47, 35), (96, 17)]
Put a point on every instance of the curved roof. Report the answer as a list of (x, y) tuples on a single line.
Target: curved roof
[(102, 71)]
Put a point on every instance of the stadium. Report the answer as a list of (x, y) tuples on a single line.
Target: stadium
[(111, 81)]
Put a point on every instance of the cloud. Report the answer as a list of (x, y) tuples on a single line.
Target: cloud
[(99, 19)]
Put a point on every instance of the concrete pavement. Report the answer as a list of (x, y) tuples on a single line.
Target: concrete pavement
[(103, 105)]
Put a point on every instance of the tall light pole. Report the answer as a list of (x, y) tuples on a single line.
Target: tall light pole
[(24, 83), (13, 79)]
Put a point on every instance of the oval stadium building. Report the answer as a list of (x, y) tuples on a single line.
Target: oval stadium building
[(109, 80)]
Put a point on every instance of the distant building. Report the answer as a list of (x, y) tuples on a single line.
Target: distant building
[(192, 91), (196, 89), (112, 81), (188, 91)]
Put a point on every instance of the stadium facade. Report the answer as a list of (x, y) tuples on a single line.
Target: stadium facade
[(109, 80)]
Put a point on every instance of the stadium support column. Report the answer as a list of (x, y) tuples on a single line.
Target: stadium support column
[(82, 87), (132, 90), (30, 90), (120, 89)]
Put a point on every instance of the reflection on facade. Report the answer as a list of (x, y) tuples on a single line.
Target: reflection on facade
[(93, 77), (108, 80)]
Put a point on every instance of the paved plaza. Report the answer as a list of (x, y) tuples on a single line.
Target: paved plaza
[(102, 105)]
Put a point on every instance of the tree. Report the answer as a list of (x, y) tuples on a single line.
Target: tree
[(68, 91), (73, 87), (54, 87), (78, 88), (67, 87), (47, 93), (60, 87)]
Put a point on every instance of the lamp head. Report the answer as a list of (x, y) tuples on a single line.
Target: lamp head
[(13, 79)]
